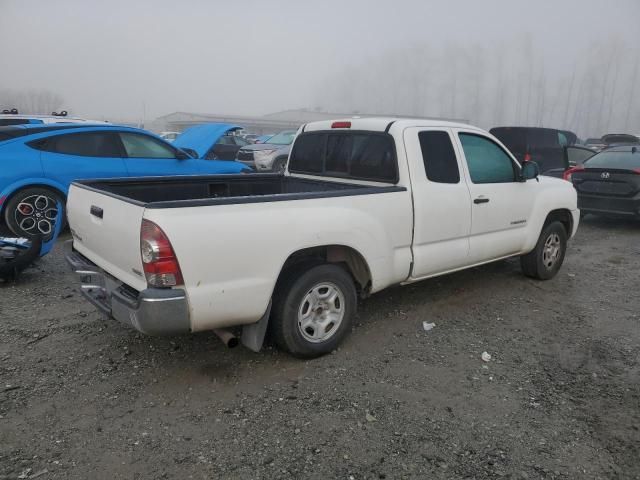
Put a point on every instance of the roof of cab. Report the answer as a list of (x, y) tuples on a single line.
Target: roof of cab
[(383, 124)]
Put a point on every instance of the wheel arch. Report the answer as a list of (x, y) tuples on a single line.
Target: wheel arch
[(563, 216), (347, 257), (8, 193)]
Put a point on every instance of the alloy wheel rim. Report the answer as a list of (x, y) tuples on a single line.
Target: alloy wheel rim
[(321, 312), (36, 214), (551, 251)]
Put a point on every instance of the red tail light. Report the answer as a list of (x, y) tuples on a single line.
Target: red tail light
[(527, 157), (161, 267), (637, 170), (341, 125), (568, 173)]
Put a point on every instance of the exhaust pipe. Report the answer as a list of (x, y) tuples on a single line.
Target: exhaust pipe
[(228, 338)]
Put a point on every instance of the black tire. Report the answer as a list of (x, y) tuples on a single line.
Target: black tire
[(14, 218), (541, 263), (291, 298), (279, 165)]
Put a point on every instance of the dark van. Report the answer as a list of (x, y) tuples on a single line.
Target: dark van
[(545, 146)]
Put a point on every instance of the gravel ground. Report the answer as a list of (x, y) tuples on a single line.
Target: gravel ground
[(82, 397)]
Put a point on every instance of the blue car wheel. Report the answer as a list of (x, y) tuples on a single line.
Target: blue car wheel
[(33, 211)]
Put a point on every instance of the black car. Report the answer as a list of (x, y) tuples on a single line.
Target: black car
[(609, 182), (545, 146), (619, 139)]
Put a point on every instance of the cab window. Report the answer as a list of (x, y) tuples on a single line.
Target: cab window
[(487, 162), (438, 156)]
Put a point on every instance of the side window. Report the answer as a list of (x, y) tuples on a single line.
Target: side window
[(225, 140), (562, 139), (440, 162), (241, 142), (143, 146), (487, 162), (91, 144)]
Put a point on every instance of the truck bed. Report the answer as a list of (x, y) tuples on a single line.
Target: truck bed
[(191, 191)]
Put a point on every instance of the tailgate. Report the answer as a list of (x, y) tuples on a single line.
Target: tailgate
[(106, 230)]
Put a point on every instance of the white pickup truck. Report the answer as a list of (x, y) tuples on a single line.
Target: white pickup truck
[(363, 204)]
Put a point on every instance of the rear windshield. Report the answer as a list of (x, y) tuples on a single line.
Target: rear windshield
[(609, 139), (526, 139), (625, 160), (355, 155)]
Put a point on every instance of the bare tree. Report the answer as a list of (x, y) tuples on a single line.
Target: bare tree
[(31, 101)]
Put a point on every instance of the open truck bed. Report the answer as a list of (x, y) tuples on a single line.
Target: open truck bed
[(193, 191)]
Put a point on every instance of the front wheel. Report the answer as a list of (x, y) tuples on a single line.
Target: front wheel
[(544, 261), (313, 310), (280, 165), (33, 211)]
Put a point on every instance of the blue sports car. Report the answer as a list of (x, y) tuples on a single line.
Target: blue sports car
[(39, 162)]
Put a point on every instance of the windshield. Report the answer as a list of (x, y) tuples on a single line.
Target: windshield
[(282, 138), (623, 160)]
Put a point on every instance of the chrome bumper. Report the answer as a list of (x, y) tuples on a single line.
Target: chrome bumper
[(153, 311)]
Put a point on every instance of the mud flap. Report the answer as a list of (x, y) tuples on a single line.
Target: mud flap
[(253, 335)]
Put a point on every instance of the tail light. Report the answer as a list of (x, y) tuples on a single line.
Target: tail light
[(161, 267), (341, 125), (527, 157), (568, 173)]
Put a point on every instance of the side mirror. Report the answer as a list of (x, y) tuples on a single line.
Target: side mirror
[(530, 170)]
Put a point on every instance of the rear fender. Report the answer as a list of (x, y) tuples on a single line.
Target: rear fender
[(12, 188)]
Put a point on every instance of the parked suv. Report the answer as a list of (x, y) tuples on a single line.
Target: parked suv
[(268, 157), (545, 146)]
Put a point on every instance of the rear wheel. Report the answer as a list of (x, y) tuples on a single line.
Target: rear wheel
[(313, 310), (33, 211), (544, 261)]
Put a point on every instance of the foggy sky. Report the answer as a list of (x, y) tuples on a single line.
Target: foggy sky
[(108, 59)]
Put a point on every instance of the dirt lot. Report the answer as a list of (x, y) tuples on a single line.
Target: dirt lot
[(83, 397)]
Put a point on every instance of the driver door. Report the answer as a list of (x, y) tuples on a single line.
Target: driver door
[(501, 205)]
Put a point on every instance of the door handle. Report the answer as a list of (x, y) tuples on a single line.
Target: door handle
[(96, 211), (481, 200)]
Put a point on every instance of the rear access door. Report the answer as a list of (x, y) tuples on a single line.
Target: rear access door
[(441, 202), (106, 230)]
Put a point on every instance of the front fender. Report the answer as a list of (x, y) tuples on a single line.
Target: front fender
[(558, 195)]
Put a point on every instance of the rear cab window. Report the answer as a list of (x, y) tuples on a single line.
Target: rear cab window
[(438, 156), (357, 155)]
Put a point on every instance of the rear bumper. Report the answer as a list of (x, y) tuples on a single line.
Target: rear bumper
[(153, 311), (605, 205)]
